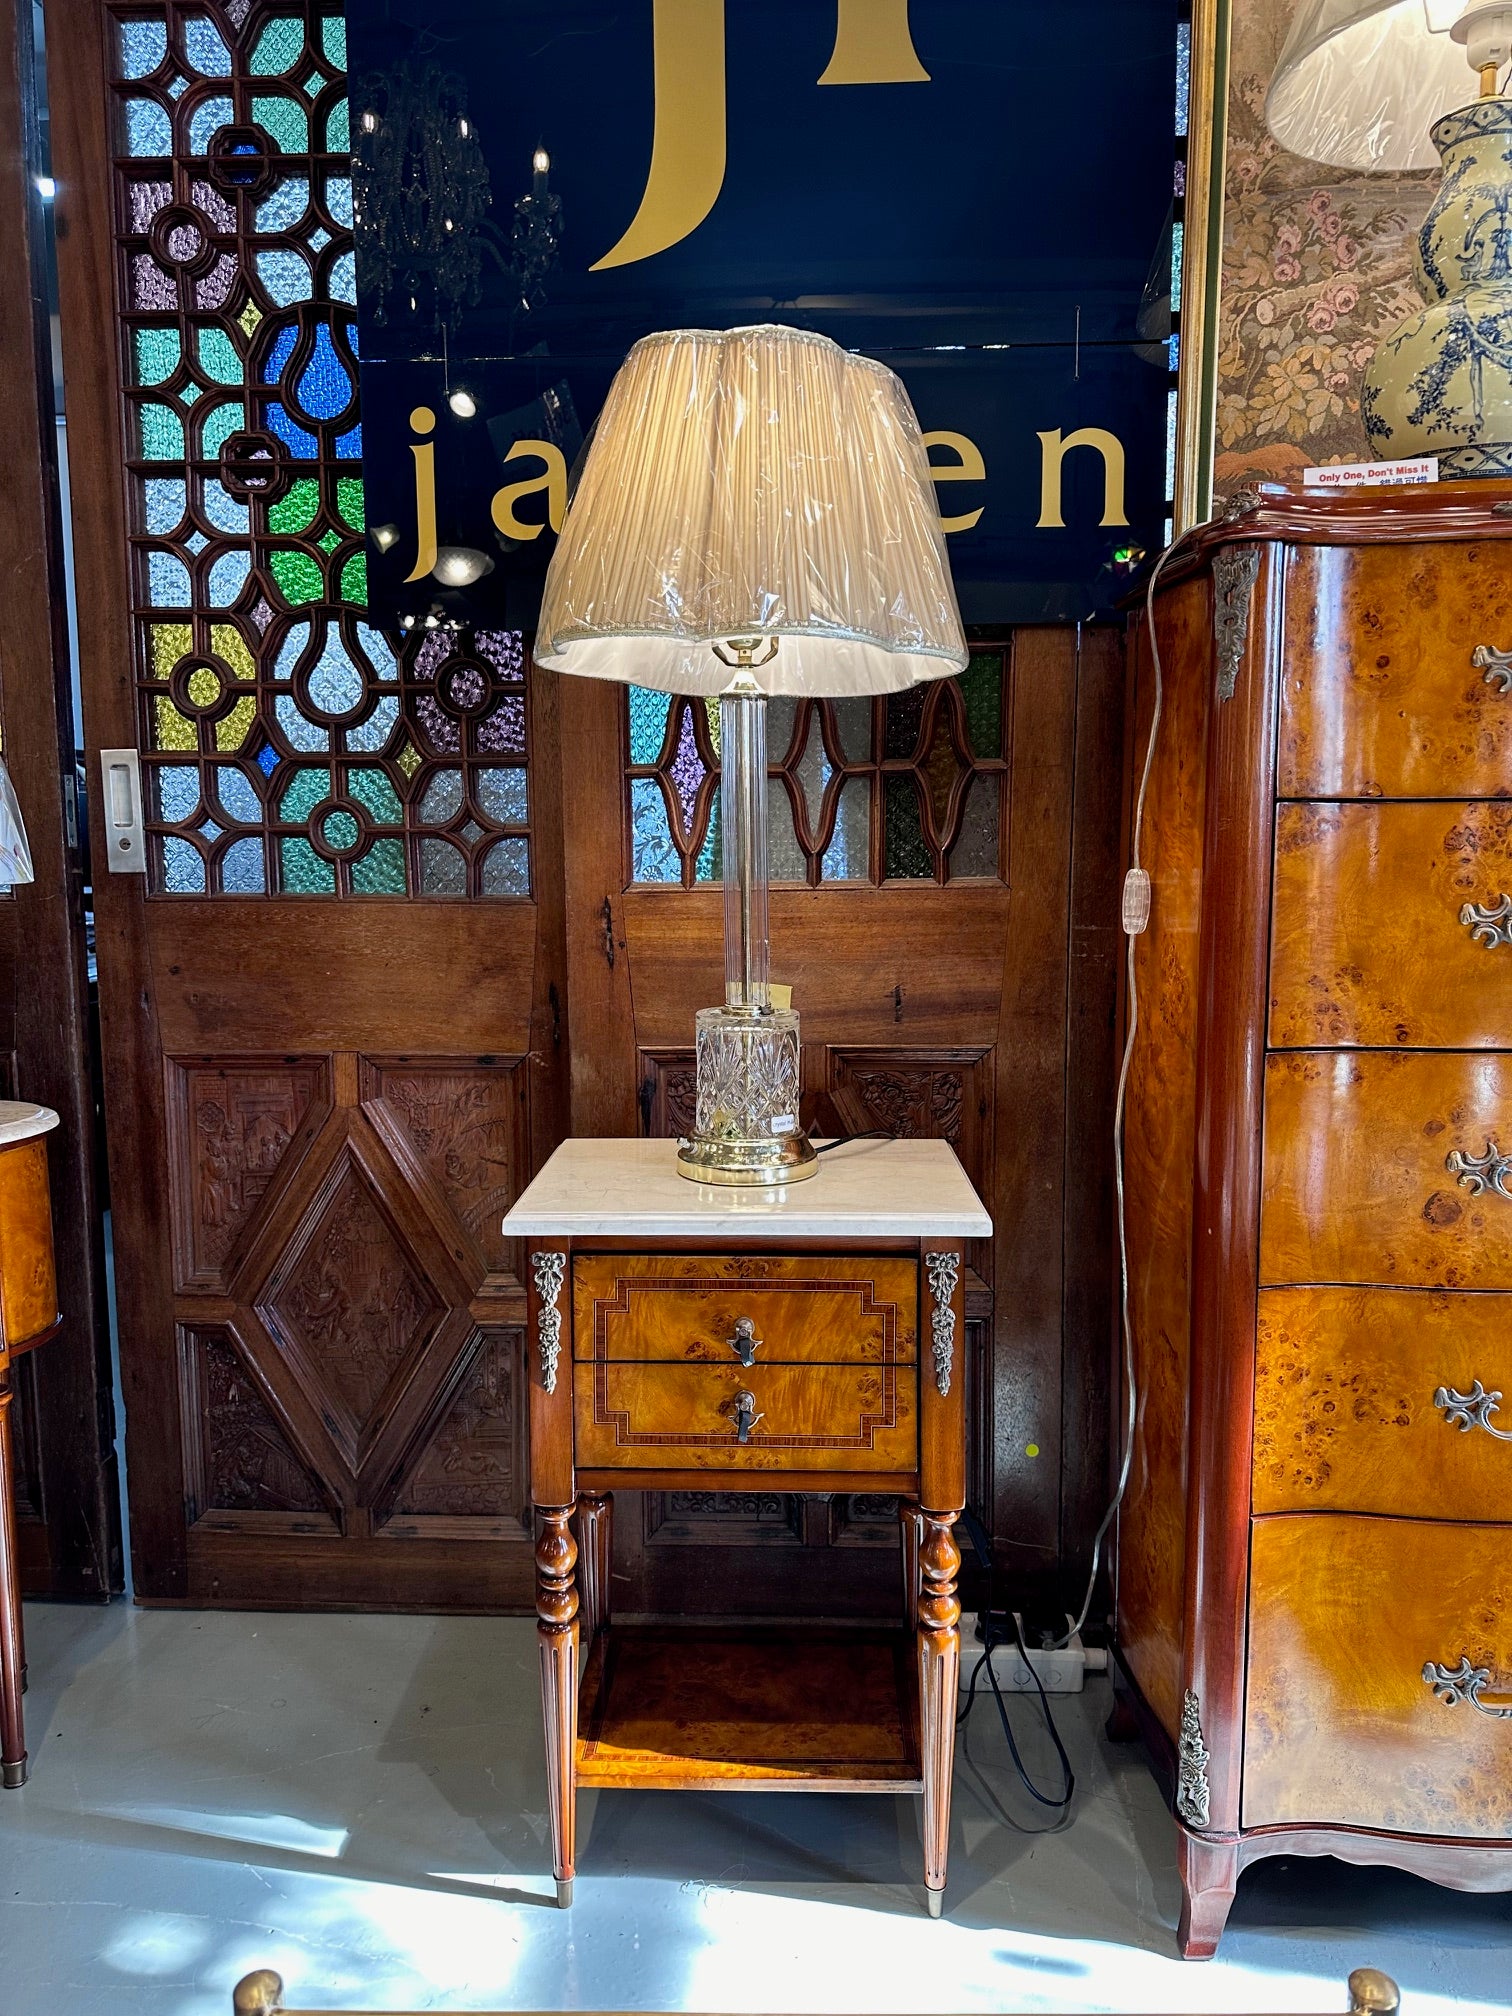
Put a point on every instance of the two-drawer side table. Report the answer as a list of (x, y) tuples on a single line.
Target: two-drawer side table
[(812, 1339)]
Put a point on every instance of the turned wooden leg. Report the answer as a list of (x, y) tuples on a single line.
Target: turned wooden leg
[(595, 1512), (939, 1642), (910, 1527), (1209, 1872), (557, 1632), (12, 1735)]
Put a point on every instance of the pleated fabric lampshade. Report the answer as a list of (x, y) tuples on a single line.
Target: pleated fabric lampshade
[(753, 483), (1361, 82)]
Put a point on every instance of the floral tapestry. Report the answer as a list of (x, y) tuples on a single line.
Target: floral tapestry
[(1316, 269)]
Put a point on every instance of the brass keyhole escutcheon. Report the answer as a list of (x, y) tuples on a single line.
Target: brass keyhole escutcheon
[(745, 1343), (746, 1416)]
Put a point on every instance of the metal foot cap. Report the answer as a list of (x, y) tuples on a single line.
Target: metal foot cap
[(936, 1902), (13, 1776), (564, 1892)]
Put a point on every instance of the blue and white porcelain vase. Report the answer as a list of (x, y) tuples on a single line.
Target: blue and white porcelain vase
[(1441, 382)]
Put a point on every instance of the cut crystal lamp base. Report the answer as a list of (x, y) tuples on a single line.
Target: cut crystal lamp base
[(747, 1130)]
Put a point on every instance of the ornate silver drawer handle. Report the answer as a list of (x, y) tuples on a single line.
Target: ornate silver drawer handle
[(1455, 1684), (1493, 665), (745, 1343), (1481, 1172), (1490, 923), (1470, 1410), (746, 1416)]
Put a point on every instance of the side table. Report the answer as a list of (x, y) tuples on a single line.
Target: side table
[(809, 1338), (28, 1317)]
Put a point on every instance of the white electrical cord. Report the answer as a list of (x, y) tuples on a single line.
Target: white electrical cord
[(1136, 904)]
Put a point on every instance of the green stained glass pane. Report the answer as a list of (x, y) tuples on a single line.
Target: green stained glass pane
[(219, 424), (217, 357), (299, 577), (648, 724), (278, 48), (371, 788), (155, 353), (380, 872), (907, 855), (234, 728), (341, 830), (339, 129), (162, 434), (301, 797), (982, 690), (297, 509), (354, 581), (333, 40), (287, 122), (349, 502), (171, 730), (328, 541), (304, 872)]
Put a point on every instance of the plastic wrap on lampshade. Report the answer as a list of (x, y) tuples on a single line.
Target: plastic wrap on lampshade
[(753, 483), (15, 854), (1360, 82)]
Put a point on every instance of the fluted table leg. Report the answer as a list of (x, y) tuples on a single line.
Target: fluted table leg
[(12, 1734), (557, 1633)]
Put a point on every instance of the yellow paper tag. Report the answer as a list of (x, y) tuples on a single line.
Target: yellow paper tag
[(780, 997)]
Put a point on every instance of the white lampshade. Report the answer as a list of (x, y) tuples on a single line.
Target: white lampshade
[(753, 483), (1361, 82)]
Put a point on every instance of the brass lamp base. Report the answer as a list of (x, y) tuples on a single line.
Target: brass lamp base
[(790, 1158)]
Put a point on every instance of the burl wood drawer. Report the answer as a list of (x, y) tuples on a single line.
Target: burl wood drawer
[(1371, 1643), (1386, 1400), (1393, 925), (1381, 694), (631, 1415), (1388, 1168), (733, 1309)]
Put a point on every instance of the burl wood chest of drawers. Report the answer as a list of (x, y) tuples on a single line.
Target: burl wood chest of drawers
[(1314, 1565), (682, 1336)]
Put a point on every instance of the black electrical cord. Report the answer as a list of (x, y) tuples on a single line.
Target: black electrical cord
[(844, 1140), (992, 1636)]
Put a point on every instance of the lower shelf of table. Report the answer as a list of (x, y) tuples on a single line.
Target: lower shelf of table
[(779, 1708)]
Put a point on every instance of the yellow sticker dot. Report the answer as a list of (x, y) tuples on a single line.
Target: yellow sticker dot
[(1031, 1449)]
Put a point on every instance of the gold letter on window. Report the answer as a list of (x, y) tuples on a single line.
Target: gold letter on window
[(1056, 450), (688, 139), (553, 480), (873, 45), (423, 420), (968, 467)]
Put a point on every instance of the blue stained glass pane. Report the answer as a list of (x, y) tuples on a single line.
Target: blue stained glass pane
[(333, 40), (285, 206), (379, 652), (1183, 74), (336, 686), (238, 800), (242, 869), (648, 723), (296, 439), (205, 49), (297, 731), (183, 868), (443, 869), (373, 734), (443, 798), (210, 831), (216, 425), (501, 793), (506, 869), (178, 791), (349, 330), (144, 44), (350, 444), (318, 239), (196, 542), (295, 640), (339, 129), (1178, 234), (163, 502), (284, 275), (227, 579), (709, 867), (167, 581), (278, 356), (149, 130), (324, 388), (342, 285), (338, 196), (222, 509), (206, 119), (267, 759), (655, 857)]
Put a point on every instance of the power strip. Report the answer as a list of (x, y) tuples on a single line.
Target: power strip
[(1060, 1672)]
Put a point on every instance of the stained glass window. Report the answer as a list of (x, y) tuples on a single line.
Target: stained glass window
[(910, 787), (288, 749)]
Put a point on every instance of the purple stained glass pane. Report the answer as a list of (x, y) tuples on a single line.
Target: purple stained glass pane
[(441, 731), (504, 650), (502, 733), (151, 287), (147, 198), (261, 614), (687, 768), (209, 200), (185, 242), (466, 687), (211, 292), (433, 654)]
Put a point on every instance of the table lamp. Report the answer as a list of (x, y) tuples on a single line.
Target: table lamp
[(1382, 84), (755, 516)]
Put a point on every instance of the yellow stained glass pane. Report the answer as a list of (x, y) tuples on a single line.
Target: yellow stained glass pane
[(227, 642), (408, 760), (711, 708), (169, 643), (249, 318), (172, 730), (204, 686), (237, 725)]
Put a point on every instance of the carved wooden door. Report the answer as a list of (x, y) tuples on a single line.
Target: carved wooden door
[(945, 874), (331, 1007)]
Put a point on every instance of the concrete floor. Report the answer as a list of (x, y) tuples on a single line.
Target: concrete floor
[(359, 1802)]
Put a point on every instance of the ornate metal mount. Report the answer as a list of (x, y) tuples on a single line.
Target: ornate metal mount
[(944, 1271), (1493, 665), (745, 1343), (1192, 1760), (1235, 571), (1490, 923), (1481, 1172), (548, 1269), (1470, 1410), (1456, 1684), (746, 1416)]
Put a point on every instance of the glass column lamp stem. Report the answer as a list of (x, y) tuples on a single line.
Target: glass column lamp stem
[(743, 810)]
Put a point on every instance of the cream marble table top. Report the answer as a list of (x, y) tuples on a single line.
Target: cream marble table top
[(20, 1120), (864, 1189)]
